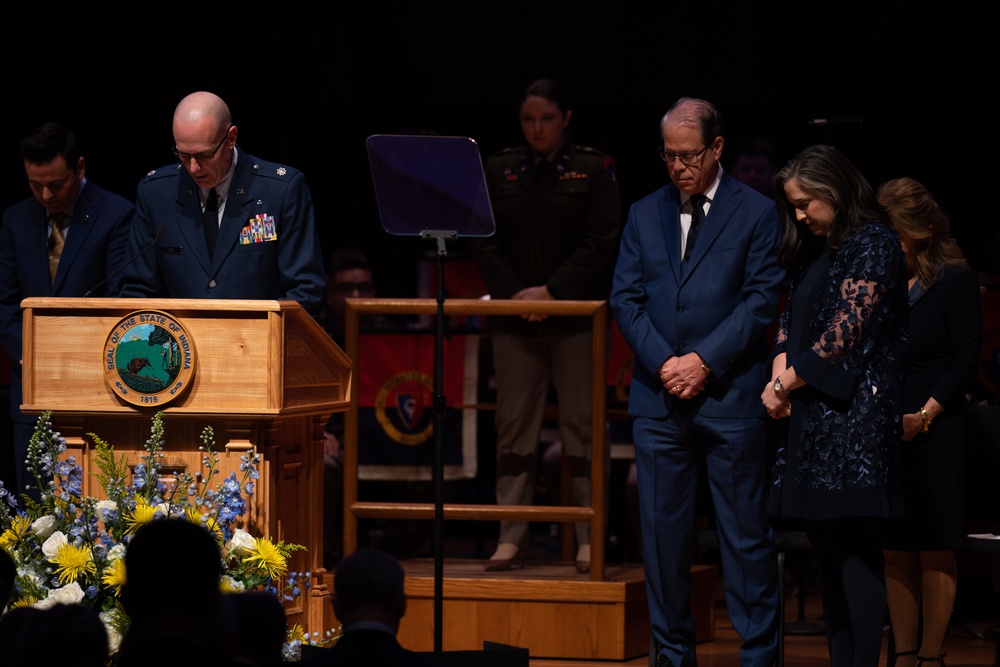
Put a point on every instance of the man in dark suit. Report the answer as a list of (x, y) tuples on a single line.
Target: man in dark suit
[(68, 239), (694, 308), (223, 224), (369, 601)]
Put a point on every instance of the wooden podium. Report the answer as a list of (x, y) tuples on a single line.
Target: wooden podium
[(264, 375)]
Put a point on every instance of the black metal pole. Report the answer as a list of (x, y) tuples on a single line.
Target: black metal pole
[(439, 403), (439, 408)]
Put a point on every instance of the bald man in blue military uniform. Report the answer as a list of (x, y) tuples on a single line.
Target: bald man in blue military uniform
[(258, 215)]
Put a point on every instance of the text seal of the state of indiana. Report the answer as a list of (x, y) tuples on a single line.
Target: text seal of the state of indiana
[(149, 358), (401, 408)]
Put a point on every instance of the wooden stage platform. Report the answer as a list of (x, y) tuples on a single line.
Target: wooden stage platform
[(545, 607)]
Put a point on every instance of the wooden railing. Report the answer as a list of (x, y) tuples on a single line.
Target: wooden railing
[(355, 509)]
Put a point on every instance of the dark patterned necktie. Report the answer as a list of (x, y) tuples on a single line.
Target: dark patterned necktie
[(697, 217), (210, 218), (57, 239)]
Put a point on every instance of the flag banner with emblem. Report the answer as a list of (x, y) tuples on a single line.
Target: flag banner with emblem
[(619, 378), (396, 406), (619, 375)]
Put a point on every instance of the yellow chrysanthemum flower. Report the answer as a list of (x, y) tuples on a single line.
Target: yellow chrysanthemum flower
[(26, 601), (114, 575), (196, 516), (266, 557), (73, 562), (296, 633), (143, 514), (19, 528)]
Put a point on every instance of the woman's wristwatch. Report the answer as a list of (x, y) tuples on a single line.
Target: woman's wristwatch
[(779, 388)]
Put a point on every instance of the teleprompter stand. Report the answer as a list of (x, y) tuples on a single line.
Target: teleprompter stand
[(432, 187)]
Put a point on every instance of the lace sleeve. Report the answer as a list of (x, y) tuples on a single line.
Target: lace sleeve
[(858, 300), (870, 265)]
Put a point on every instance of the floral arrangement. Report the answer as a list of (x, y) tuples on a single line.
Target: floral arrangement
[(69, 548)]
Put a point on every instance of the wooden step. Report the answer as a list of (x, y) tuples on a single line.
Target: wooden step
[(545, 607)]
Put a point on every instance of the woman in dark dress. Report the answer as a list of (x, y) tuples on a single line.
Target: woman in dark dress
[(837, 377), (945, 338)]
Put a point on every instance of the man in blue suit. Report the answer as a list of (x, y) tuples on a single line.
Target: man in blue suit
[(693, 306), (92, 226), (223, 224)]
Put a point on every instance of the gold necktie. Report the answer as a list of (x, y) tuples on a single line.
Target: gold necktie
[(56, 241)]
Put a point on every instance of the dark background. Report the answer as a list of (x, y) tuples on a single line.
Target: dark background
[(915, 85)]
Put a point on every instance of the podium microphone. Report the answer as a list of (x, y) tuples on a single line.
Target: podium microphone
[(156, 237)]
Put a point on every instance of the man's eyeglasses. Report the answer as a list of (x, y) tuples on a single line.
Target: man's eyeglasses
[(204, 156), (347, 287), (687, 159)]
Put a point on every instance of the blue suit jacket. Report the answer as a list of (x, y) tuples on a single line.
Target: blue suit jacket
[(268, 246), (719, 305), (94, 252)]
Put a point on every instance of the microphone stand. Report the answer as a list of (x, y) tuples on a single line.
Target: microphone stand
[(439, 408), (434, 187)]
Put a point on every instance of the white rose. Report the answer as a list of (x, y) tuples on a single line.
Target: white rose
[(114, 639), (242, 544), (50, 547), (116, 552), (71, 594), (43, 526), (105, 505), (164, 509)]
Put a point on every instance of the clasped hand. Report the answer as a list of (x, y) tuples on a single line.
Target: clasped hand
[(778, 406), (684, 377), (536, 293)]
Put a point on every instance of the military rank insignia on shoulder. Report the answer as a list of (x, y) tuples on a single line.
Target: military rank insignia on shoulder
[(272, 170), (172, 170)]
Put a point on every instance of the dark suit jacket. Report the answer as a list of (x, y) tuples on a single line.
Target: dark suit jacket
[(94, 252), (268, 246), (364, 648), (718, 306)]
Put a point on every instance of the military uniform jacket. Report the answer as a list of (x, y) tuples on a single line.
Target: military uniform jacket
[(268, 246), (561, 231)]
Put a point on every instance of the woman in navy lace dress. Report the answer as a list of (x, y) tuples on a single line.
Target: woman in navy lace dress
[(837, 378), (946, 333)]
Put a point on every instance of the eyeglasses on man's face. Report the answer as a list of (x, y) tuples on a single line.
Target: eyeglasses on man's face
[(205, 156), (687, 159)]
